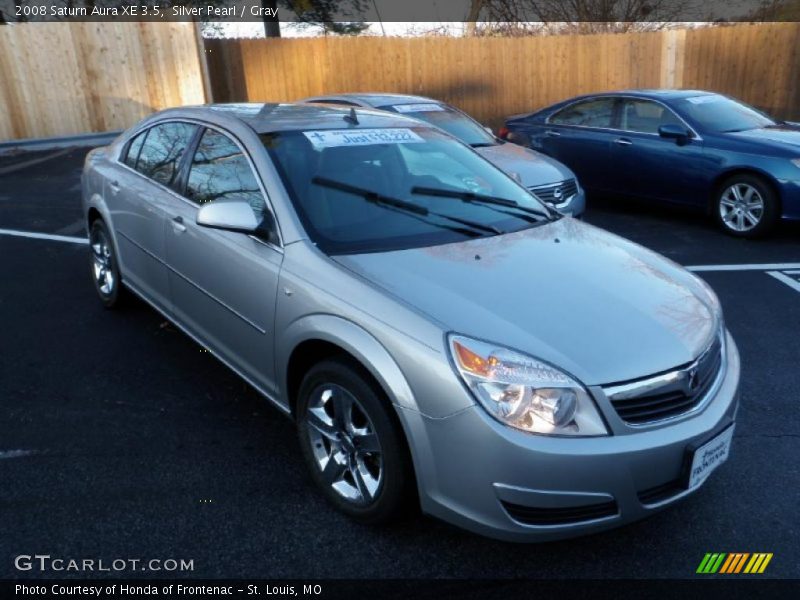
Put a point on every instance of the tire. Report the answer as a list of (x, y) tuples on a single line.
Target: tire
[(746, 206), (354, 449), (104, 266)]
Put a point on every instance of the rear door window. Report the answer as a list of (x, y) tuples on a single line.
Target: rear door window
[(597, 112), (162, 151)]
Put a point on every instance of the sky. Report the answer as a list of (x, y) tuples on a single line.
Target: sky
[(256, 29)]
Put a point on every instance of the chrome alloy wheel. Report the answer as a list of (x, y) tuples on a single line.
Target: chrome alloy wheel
[(741, 207), (102, 262), (344, 444)]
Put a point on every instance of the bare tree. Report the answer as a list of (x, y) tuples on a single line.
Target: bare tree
[(272, 28), (776, 10), (527, 17), (327, 15)]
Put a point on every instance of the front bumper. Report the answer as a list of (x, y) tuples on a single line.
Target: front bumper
[(790, 199), (476, 473)]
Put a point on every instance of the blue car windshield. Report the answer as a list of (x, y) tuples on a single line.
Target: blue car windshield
[(369, 190), (447, 119), (722, 115)]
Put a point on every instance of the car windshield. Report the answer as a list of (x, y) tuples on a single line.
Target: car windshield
[(369, 190), (447, 119), (722, 115)]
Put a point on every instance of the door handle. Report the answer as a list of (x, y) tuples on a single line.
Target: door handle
[(552, 133), (623, 141), (177, 225), (114, 187)]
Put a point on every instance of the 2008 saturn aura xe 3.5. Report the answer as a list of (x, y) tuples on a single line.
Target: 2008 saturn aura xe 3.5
[(438, 335)]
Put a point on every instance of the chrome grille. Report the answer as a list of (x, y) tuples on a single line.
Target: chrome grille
[(556, 193), (668, 395)]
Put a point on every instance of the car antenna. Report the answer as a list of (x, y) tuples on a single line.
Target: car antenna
[(352, 118)]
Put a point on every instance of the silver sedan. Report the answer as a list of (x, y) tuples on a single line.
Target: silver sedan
[(440, 337), (552, 182)]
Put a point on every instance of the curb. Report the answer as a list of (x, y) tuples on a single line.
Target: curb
[(35, 144)]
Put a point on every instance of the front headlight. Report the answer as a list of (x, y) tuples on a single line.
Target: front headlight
[(524, 393), (796, 162)]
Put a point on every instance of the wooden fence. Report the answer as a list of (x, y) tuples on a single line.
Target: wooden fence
[(61, 79), (494, 77), (69, 78)]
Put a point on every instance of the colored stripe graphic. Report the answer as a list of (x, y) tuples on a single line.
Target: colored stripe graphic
[(732, 558), (766, 562), (741, 562), (758, 563), (703, 563), (711, 562), (734, 562)]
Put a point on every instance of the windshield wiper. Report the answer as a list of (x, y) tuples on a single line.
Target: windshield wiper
[(405, 206), (483, 144), (468, 196)]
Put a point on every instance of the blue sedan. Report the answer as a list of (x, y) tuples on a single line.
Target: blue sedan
[(692, 148)]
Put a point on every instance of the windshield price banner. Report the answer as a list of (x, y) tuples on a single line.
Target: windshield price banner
[(361, 137)]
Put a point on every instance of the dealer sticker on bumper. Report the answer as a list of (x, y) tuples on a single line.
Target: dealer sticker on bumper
[(709, 456)]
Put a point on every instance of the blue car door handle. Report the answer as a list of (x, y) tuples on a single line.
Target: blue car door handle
[(623, 141), (552, 133)]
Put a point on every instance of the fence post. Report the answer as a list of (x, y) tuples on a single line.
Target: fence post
[(672, 54), (202, 58)]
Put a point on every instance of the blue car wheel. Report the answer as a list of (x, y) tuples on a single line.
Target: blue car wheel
[(746, 206)]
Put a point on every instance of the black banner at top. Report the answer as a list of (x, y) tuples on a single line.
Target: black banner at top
[(422, 11)]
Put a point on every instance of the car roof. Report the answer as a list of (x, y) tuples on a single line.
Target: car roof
[(375, 98), (659, 94), (274, 117), (668, 93)]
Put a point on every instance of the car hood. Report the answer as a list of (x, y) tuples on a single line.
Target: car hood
[(782, 136), (600, 307), (534, 169)]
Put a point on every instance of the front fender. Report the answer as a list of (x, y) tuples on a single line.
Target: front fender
[(353, 339)]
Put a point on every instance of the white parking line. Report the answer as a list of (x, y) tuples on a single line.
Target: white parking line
[(745, 267), (792, 283), (16, 453), (29, 163), (44, 236)]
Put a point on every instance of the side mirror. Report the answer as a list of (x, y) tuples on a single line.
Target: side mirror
[(237, 215), (675, 132)]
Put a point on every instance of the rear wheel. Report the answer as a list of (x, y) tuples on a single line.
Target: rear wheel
[(353, 448), (104, 265), (746, 206)]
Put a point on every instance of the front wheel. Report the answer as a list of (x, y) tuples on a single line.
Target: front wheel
[(353, 448), (746, 206)]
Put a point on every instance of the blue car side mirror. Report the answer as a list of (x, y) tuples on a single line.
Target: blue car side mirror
[(673, 132)]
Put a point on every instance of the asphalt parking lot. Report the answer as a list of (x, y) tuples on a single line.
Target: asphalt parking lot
[(121, 438)]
